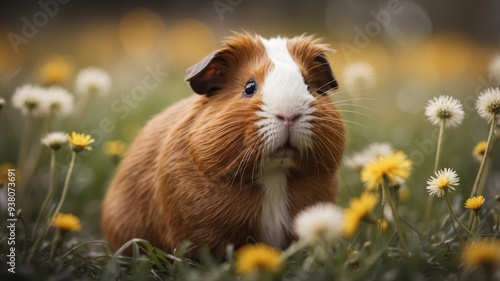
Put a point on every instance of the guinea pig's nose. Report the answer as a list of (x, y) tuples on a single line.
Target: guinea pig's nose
[(288, 121)]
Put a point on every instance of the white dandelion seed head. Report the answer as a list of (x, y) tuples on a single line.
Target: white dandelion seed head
[(60, 101), (445, 181), (93, 80), (322, 222), (359, 75), (488, 103), (54, 140), (370, 153), (445, 108), (495, 69), (30, 99)]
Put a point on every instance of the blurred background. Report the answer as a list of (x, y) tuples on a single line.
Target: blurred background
[(417, 49)]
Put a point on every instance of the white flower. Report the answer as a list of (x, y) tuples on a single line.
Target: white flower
[(60, 101), (488, 103), (359, 75), (55, 140), (445, 181), (93, 80), (322, 222), (30, 99), (495, 69), (372, 152), (445, 108)]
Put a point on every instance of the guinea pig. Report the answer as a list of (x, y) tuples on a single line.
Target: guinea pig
[(259, 141)]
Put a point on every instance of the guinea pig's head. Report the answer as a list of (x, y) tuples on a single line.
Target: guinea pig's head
[(265, 106)]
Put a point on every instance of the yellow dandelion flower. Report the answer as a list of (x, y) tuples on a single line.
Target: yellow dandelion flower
[(254, 257), (67, 222), (359, 209), (55, 70), (475, 203), (479, 149), (394, 166), (482, 253), (114, 148), (80, 142)]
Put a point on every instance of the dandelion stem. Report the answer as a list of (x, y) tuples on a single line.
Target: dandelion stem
[(34, 155), (51, 190), (395, 215), (474, 225), (454, 216), (66, 185), (430, 199), (487, 151)]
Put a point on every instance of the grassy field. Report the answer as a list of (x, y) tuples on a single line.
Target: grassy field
[(383, 105)]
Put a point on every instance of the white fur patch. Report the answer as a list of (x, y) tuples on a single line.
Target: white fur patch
[(285, 94), (275, 218)]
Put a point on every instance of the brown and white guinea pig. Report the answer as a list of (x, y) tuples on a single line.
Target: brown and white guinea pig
[(260, 142)]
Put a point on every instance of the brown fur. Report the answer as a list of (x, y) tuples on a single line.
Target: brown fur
[(191, 173)]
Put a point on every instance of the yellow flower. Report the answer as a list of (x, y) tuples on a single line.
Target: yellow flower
[(394, 166), (55, 70), (482, 253), (359, 209), (254, 257), (67, 222), (80, 142), (474, 203), (478, 151), (114, 148)]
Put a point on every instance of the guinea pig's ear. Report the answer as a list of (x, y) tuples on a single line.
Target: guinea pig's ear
[(320, 74), (206, 76)]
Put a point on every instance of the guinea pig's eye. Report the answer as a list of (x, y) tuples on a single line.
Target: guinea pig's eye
[(250, 89), (308, 88)]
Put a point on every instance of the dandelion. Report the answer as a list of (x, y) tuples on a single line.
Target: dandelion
[(488, 107), (495, 69), (475, 203), (394, 166), (322, 222), (30, 100), (445, 181), (80, 141), (359, 75), (60, 101), (359, 210), (64, 223), (93, 80), (67, 222), (54, 140), (484, 254), (55, 70), (114, 148), (256, 257), (488, 103), (370, 153), (479, 149), (445, 109)]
